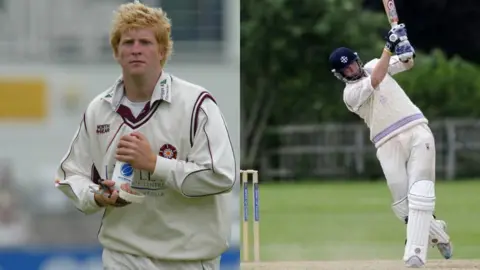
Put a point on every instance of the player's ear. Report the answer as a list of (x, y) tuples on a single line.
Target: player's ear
[(162, 52), (115, 51), (115, 56)]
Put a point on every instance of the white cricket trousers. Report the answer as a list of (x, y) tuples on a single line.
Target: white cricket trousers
[(113, 260), (407, 158)]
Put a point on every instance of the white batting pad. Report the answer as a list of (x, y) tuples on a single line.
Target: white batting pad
[(422, 196), (438, 232), (421, 202)]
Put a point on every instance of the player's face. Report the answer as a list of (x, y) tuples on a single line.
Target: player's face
[(139, 52), (351, 70)]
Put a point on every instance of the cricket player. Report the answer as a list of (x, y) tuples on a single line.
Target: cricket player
[(172, 136), (404, 142)]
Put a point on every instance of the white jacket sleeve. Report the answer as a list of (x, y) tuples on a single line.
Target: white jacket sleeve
[(74, 175), (211, 166), (356, 94), (396, 66)]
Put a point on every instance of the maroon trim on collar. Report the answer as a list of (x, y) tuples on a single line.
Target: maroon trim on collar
[(136, 122)]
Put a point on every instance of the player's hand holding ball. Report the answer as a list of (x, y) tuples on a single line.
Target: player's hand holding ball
[(107, 195), (117, 193), (133, 152)]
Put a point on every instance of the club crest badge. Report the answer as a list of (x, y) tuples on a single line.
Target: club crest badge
[(168, 151)]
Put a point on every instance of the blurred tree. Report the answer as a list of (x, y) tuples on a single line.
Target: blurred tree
[(285, 46), (443, 87)]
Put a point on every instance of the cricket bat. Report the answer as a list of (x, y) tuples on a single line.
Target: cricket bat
[(392, 16), (391, 11)]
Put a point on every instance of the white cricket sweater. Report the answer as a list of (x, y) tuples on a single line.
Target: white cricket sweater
[(186, 213), (387, 110)]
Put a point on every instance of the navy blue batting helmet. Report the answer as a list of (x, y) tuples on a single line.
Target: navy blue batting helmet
[(340, 59)]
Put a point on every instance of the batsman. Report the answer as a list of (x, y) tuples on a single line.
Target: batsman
[(405, 145)]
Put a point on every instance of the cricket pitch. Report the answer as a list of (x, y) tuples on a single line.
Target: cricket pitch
[(358, 265)]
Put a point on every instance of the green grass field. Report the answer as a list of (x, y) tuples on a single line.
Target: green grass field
[(349, 221)]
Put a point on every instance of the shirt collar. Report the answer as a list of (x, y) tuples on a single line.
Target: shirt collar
[(162, 91)]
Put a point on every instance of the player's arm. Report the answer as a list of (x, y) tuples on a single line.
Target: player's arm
[(211, 166), (357, 94), (73, 176), (396, 42), (405, 53), (381, 68), (397, 66)]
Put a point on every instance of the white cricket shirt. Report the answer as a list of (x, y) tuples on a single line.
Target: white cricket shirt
[(387, 110), (185, 215)]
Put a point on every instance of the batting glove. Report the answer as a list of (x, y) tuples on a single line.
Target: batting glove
[(395, 36), (405, 51)]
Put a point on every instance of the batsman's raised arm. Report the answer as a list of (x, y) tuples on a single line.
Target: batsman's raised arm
[(74, 175), (405, 53), (396, 43), (397, 66), (210, 168), (358, 93), (380, 69)]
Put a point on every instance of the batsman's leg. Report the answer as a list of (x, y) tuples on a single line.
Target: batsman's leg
[(392, 160), (421, 166), (421, 203), (440, 238)]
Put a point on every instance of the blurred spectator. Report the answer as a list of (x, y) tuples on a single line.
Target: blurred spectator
[(14, 222)]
